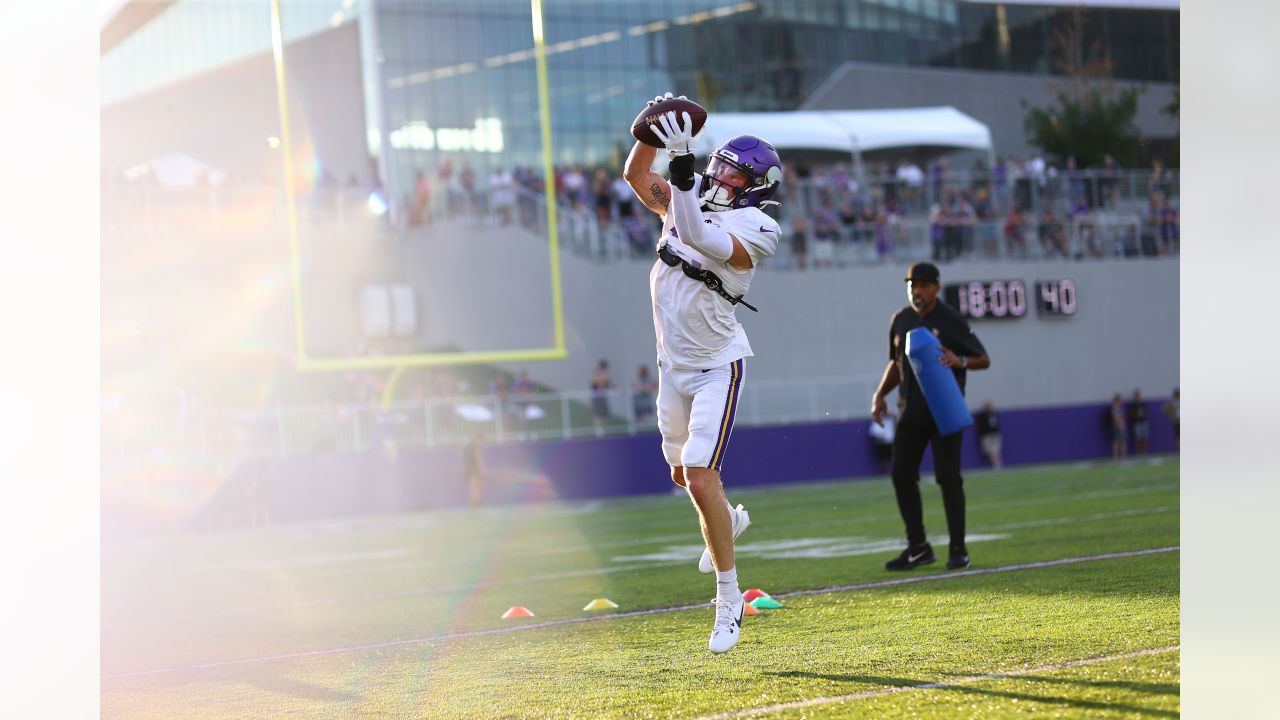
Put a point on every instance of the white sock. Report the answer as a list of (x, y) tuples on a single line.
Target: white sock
[(727, 585)]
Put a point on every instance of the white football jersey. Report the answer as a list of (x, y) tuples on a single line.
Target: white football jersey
[(695, 326)]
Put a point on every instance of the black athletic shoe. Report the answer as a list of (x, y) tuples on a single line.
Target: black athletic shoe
[(912, 557), (958, 559)]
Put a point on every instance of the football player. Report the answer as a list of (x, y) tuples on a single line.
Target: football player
[(714, 235)]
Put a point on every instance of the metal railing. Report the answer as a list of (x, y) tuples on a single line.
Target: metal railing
[(905, 240), (349, 208), (296, 430), (1100, 189)]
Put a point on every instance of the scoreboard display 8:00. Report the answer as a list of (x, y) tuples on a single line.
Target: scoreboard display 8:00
[(981, 299)]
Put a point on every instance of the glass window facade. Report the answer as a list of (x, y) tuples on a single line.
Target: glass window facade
[(451, 65), (459, 83), (193, 36)]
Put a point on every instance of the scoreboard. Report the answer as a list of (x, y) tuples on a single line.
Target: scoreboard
[(1056, 298), (980, 299), (1008, 299)]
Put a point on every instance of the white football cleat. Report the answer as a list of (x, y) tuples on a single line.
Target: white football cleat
[(728, 628), (741, 521)]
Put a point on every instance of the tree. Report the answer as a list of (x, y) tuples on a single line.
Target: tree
[(1090, 116)]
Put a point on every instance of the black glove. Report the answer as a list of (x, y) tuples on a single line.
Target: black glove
[(681, 167)]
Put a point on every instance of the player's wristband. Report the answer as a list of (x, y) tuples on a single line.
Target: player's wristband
[(964, 362), (681, 167)]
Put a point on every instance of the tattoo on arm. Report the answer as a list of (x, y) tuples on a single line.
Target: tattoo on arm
[(659, 196)]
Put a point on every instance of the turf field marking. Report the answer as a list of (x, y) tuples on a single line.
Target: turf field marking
[(421, 562), (807, 548), (795, 704), (690, 552), (1097, 516), (634, 613), (980, 571), (846, 546)]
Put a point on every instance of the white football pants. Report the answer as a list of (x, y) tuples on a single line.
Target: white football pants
[(695, 413)]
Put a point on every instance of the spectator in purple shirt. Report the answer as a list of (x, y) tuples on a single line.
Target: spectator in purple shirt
[(1169, 227), (1000, 174), (826, 227), (938, 175)]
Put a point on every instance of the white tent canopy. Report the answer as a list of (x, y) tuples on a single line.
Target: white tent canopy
[(851, 131)]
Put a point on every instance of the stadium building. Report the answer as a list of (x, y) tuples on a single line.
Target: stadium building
[(404, 118), (456, 81)]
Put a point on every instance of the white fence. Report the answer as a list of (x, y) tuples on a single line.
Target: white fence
[(1116, 225), (295, 430)]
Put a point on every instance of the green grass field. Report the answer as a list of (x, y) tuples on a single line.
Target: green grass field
[(398, 616)]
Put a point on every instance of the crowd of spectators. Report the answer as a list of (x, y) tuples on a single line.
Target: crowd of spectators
[(1018, 207)]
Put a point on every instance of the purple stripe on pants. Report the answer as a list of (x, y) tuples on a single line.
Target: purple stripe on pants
[(731, 408)]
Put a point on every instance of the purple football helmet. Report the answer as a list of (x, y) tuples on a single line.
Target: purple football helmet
[(744, 172)]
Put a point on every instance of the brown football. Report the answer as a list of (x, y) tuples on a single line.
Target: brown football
[(642, 129)]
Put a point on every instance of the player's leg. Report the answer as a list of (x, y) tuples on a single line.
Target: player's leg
[(946, 461), (715, 399), (711, 419), (673, 407), (708, 497), (908, 450)]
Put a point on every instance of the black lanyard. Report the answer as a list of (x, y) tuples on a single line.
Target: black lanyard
[(705, 277)]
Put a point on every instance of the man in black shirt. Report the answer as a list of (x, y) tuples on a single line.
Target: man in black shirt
[(990, 438), (961, 351)]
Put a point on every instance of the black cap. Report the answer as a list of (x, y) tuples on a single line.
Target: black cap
[(923, 272)]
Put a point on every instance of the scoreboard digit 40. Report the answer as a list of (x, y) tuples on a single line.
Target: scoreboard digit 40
[(1056, 298)]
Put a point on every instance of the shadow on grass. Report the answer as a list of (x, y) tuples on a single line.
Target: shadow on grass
[(888, 682), (299, 689), (1143, 687)]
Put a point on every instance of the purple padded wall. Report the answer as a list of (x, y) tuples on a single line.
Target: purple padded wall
[(346, 484)]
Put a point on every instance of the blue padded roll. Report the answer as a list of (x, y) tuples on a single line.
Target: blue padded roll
[(937, 382)]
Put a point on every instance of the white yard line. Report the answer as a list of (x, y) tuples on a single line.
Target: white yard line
[(796, 704), (548, 577), (1071, 519), (636, 613)]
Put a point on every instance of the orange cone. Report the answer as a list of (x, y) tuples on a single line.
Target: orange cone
[(750, 609), (518, 611)]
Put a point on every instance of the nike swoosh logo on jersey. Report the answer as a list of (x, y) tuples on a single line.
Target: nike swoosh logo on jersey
[(765, 229)]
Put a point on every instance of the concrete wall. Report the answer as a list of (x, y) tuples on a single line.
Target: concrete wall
[(991, 97), (835, 322), (487, 288)]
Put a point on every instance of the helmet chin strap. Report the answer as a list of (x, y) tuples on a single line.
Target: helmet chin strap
[(716, 198)]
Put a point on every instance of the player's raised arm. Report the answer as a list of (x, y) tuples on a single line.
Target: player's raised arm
[(649, 186)]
